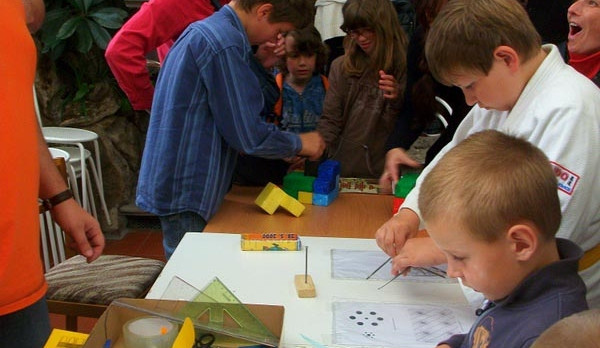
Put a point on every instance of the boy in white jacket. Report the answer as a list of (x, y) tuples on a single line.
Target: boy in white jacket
[(490, 49)]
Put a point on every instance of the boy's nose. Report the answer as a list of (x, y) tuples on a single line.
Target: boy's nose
[(452, 271), (470, 98)]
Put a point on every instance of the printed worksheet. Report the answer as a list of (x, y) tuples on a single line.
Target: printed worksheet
[(397, 325), (359, 264)]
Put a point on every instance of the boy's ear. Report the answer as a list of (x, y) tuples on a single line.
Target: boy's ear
[(524, 240), (508, 56), (263, 11)]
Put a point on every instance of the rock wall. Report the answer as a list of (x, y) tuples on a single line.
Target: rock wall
[(120, 139)]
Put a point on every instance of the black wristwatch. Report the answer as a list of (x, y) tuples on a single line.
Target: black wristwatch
[(57, 199)]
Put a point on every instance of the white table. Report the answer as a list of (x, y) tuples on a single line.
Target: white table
[(267, 277)]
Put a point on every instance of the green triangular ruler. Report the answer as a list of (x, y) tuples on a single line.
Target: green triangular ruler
[(217, 308)]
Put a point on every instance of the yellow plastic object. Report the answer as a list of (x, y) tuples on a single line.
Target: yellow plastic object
[(305, 197), (59, 338), (187, 336), (292, 205), (270, 198)]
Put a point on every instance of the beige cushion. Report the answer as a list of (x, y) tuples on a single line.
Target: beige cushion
[(100, 282)]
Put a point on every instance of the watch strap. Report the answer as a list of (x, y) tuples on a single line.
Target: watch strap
[(57, 199)]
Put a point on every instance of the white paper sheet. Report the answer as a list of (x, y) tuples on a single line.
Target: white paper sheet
[(397, 325), (359, 264)]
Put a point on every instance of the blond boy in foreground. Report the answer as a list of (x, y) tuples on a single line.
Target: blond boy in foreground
[(500, 239), (490, 49)]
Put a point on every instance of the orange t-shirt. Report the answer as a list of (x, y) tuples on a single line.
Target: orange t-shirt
[(21, 276)]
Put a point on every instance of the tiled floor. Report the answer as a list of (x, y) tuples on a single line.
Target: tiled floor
[(139, 242)]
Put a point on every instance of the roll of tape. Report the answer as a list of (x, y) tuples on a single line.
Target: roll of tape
[(149, 332)]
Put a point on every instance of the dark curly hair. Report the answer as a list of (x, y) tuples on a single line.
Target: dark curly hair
[(307, 41)]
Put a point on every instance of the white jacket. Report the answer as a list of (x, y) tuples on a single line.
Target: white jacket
[(559, 112)]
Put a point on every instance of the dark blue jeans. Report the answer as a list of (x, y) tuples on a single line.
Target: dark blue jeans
[(176, 225), (26, 328)]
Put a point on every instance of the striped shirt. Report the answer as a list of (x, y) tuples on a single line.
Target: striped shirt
[(206, 108)]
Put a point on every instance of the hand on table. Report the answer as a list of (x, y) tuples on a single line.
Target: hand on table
[(417, 252), (392, 235)]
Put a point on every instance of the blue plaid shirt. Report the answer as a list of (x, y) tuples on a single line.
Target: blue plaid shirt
[(206, 108)]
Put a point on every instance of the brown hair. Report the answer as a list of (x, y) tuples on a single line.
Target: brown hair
[(427, 10), (489, 182), (298, 12), (389, 52), (465, 34), (307, 42)]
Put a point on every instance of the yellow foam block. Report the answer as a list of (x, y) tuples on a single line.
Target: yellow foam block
[(305, 197), (270, 198), (292, 205)]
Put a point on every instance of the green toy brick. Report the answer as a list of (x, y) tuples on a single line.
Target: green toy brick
[(297, 181), (405, 184)]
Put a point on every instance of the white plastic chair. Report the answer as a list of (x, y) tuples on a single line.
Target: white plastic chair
[(448, 109), (441, 117), (76, 137)]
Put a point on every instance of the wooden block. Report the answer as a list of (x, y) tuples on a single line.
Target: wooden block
[(290, 204), (270, 198), (305, 197), (305, 289)]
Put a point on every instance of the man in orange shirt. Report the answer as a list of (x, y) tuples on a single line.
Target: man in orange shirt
[(25, 176)]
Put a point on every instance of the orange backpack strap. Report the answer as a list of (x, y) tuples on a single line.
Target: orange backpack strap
[(325, 82), (279, 104)]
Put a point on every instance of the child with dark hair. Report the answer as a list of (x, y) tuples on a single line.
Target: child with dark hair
[(302, 86)]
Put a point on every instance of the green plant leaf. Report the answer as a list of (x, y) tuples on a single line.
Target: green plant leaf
[(69, 27), (86, 5), (84, 38), (96, 2), (100, 35), (82, 91), (58, 50), (54, 15), (77, 4), (109, 17)]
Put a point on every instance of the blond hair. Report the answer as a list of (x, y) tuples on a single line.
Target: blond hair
[(465, 34), (389, 53), (581, 330), (489, 182)]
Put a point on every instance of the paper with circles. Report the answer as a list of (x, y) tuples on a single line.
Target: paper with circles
[(397, 325)]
